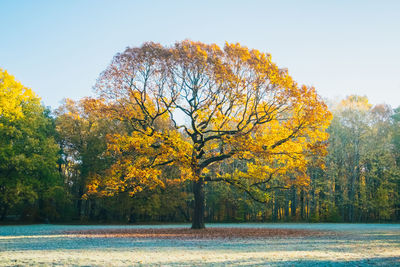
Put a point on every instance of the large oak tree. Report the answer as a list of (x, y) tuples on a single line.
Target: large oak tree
[(214, 114)]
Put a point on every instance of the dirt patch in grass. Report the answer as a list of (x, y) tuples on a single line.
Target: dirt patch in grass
[(208, 233)]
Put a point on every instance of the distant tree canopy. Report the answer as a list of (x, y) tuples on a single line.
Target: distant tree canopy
[(213, 114)]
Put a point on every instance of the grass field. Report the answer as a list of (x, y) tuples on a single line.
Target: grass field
[(224, 244)]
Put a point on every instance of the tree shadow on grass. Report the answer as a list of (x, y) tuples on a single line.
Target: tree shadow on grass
[(377, 261), (337, 244)]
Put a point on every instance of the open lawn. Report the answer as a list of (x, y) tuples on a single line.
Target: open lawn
[(219, 244)]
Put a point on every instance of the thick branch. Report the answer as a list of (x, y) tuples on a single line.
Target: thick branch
[(215, 159)]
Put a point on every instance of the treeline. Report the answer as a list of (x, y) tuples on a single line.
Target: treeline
[(47, 159)]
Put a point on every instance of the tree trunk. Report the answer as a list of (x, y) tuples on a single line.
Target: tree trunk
[(313, 206), (275, 208), (79, 207), (293, 202), (4, 213), (302, 204), (92, 211), (286, 210), (199, 203)]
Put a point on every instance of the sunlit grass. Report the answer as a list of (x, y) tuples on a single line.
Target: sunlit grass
[(48, 245)]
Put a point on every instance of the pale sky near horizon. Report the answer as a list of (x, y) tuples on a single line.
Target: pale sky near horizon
[(58, 48)]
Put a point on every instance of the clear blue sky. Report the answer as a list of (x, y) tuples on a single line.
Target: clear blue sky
[(58, 48)]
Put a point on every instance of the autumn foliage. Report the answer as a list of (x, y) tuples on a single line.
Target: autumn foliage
[(170, 122), (215, 114), (13, 95)]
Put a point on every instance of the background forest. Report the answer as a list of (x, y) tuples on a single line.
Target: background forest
[(47, 158)]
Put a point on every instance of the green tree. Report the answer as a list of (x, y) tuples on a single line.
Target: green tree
[(28, 151)]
